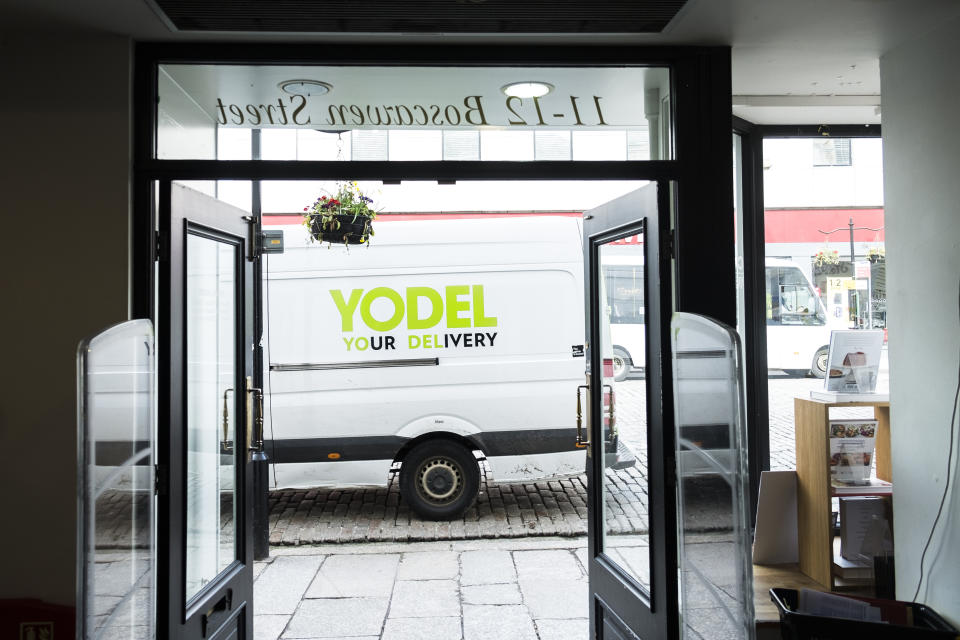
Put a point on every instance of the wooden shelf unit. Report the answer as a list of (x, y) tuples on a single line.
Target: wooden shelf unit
[(815, 529)]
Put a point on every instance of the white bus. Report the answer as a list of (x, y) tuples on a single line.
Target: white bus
[(798, 333)]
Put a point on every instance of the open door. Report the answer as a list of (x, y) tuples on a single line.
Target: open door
[(209, 415), (632, 517)]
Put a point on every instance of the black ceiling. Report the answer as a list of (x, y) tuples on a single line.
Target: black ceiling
[(421, 16)]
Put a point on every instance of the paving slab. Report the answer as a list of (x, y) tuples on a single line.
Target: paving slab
[(352, 576), (487, 567), (493, 622), (447, 628), (425, 599), (556, 598), (338, 618), (546, 565), (572, 629), (429, 565), (491, 594), (582, 556), (269, 627), (281, 586)]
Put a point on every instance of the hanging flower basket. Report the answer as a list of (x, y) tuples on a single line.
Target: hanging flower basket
[(345, 217), (826, 257), (341, 228)]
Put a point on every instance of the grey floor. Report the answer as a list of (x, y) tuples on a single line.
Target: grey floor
[(471, 589)]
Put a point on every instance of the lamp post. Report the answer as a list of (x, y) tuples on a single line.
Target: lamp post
[(853, 267), (851, 228)]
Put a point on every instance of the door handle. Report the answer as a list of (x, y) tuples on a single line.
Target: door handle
[(255, 422), (226, 444), (581, 443), (611, 414)]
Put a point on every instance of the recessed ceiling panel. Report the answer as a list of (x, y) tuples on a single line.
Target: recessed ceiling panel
[(421, 16)]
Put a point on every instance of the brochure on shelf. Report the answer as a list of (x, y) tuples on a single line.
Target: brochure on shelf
[(858, 515), (852, 443), (854, 361)]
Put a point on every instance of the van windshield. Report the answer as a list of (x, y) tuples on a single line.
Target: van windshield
[(791, 300)]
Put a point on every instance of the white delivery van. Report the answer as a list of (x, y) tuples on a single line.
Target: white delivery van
[(373, 358)]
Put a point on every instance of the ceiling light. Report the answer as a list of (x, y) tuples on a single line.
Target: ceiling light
[(528, 89), (305, 87)]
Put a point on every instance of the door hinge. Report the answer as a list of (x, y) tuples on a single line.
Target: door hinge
[(672, 244), (160, 480)]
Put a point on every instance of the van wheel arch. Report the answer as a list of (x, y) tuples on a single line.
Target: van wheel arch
[(469, 443)]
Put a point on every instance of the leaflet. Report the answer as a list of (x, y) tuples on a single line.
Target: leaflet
[(854, 361)]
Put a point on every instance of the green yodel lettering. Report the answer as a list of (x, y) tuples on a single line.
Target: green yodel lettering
[(462, 306)]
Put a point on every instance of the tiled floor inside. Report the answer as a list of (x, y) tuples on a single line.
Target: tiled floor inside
[(472, 589)]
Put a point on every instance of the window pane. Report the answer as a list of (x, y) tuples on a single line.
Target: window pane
[(415, 113), (212, 393), (825, 264)]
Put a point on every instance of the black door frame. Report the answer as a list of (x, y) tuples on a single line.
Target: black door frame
[(703, 229)]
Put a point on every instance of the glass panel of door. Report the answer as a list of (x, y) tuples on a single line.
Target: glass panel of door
[(624, 425), (212, 390)]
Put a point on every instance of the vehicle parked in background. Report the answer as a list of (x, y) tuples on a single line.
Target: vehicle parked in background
[(798, 331), (443, 342)]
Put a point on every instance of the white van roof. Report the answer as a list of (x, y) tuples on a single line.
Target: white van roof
[(455, 243)]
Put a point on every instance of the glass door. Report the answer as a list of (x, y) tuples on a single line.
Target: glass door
[(209, 416), (629, 437)]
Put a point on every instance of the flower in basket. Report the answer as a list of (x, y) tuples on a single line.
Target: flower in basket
[(826, 257), (344, 216)]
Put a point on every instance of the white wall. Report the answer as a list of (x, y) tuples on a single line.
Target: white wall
[(921, 138), (65, 204), (791, 180)]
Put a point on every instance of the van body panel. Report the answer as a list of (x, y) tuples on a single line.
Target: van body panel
[(306, 475)]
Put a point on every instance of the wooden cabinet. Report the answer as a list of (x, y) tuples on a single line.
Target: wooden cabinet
[(814, 493)]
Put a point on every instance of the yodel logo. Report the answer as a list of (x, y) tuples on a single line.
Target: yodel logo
[(418, 308)]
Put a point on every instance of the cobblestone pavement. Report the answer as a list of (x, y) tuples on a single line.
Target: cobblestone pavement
[(502, 510)]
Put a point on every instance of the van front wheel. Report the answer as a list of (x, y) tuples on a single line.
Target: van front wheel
[(439, 479)]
